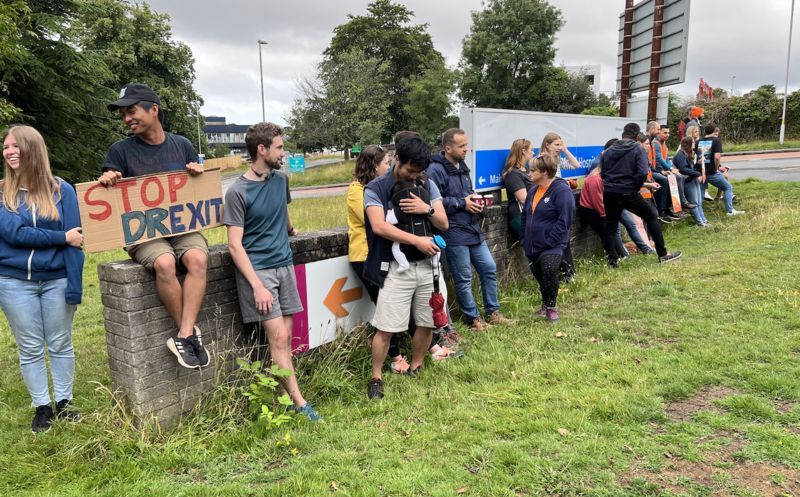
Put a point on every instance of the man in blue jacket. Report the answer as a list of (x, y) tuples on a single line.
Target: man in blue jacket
[(466, 246), (624, 171)]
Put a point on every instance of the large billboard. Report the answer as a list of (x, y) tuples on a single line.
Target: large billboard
[(674, 44), (491, 132)]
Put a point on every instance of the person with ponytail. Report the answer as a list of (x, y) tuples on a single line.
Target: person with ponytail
[(41, 268), (517, 180)]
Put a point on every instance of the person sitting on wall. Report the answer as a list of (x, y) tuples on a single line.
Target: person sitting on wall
[(256, 214), (411, 290), (663, 164), (593, 213), (711, 147), (153, 150)]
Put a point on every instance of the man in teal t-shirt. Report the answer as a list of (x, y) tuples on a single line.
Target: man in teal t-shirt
[(257, 218)]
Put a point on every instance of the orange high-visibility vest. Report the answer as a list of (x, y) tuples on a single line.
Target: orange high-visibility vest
[(644, 191)]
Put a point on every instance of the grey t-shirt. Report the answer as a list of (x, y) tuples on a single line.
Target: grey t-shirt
[(134, 157), (371, 198), (259, 207)]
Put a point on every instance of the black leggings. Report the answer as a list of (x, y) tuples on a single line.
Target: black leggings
[(545, 270), (567, 264)]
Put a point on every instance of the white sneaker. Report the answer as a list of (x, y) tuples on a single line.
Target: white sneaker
[(734, 212)]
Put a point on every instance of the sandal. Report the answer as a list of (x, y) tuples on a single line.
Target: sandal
[(400, 365)]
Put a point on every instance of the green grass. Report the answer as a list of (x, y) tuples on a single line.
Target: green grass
[(532, 409), (328, 174), (745, 147)]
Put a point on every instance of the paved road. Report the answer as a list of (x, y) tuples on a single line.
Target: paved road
[(772, 167)]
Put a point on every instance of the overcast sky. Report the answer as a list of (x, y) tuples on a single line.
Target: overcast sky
[(742, 38)]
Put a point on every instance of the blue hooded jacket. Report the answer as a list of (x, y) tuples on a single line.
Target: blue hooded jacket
[(546, 231), (454, 184), (35, 249)]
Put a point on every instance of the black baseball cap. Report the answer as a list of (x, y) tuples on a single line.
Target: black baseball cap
[(133, 93)]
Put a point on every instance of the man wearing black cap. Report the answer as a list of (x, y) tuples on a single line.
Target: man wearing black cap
[(624, 171), (152, 150)]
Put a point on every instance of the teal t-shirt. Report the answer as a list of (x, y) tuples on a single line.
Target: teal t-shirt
[(259, 207)]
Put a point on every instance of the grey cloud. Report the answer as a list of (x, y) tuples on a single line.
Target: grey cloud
[(733, 37)]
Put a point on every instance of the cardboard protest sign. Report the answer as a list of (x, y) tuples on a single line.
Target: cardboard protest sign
[(673, 191), (144, 208)]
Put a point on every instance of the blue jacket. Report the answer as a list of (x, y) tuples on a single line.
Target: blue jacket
[(35, 249), (546, 231), (625, 167), (454, 184)]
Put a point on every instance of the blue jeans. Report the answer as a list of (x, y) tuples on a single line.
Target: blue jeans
[(630, 226), (460, 260), (40, 317), (720, 182), (694, 192)]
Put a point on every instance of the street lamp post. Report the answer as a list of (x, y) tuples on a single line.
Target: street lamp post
[(786, 84), (261, 72)]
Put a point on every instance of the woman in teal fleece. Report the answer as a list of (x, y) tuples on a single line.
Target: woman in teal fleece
[(41, 266)]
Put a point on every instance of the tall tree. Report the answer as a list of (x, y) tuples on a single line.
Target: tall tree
[(386, 33), (429, 105), (136, 45), (58, 89), (346, 104), (507, 60), (12, 53)]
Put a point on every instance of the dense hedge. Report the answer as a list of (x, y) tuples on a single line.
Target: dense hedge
[(755, 116)]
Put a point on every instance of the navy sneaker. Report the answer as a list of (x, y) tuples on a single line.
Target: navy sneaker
[(43, 419), (183, 348), (203, 357), (375, 389), (64, 411)]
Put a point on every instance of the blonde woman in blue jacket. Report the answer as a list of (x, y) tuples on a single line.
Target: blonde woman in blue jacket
[(41, 266)]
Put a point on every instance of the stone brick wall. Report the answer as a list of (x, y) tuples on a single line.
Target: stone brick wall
[(137, 326)]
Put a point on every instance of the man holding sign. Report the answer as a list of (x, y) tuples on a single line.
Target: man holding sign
[(153, 150)]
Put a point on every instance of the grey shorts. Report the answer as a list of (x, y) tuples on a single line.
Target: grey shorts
[(281, 283)]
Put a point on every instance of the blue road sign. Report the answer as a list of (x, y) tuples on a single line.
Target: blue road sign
[(297, 164)]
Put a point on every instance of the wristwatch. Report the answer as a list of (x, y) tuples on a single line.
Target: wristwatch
[(431, 212)]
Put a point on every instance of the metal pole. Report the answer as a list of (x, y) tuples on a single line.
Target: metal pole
[(627, 37), (655, 62), (733, 80), (786, 84), (261, 72), (197, 112)]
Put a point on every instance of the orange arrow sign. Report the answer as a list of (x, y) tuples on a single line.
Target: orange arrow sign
[(337, 296)]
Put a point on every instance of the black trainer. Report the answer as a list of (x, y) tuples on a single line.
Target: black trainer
[(375, 389), (203, 357), (670, 256), (43, 419), (183, 348), (64, 411)]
